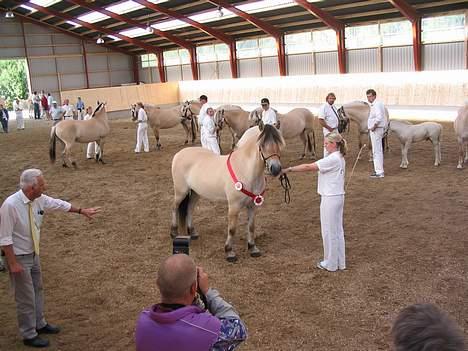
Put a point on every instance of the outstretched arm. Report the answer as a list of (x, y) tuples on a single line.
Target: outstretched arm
[(87, 212), (306, 167)]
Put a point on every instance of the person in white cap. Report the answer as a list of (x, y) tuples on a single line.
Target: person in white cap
[(142, 131), (268, 114), (201, 118)]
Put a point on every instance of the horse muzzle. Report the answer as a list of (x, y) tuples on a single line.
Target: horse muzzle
[(274, 167)]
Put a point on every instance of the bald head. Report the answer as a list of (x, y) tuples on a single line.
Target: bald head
[(175, 277)]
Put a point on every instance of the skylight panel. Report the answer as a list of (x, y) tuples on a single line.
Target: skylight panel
[(113, 37), (125, 7), (134, 32), (212, 16), (76, 25), (92, 17), (43, 3), (169, 25), (265, 5)]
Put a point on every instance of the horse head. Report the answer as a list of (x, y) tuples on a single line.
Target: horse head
[(343, 120), (100, 109), (219, 119), (255, 117), (270, 142), (134, 112), (186, 111)]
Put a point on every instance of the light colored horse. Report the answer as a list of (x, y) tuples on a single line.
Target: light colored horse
[(358, 112), (298, 122), (165, 118), (409, 133), (70, 132), (238, 179), (461, 130), (235, 118)]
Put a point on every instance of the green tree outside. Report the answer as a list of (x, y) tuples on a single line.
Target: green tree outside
[(13, 81)]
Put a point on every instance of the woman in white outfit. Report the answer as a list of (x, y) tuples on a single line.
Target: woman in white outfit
[(93, 147), (19, 115), (142, 131), (331, 176), (211, 142)]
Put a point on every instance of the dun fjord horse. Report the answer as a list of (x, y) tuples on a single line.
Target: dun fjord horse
[(358, 112), (297, 122), (159, 118), (238, 178), (461, 130), (408, 133), (70, 132), (235, 118)]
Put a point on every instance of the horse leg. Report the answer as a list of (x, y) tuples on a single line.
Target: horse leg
[(303, 137), (436, 147), (68, 155), (179, 196), (187, 131), (404, 154), (253, 249), (466, 152), (101, 151), (313, 156), (461, 153), (233, 216), (194, 197)]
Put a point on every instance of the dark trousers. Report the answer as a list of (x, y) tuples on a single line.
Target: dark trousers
[(37, 112), (4, 124)]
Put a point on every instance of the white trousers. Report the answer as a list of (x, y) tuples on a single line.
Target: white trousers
[(202, 138), (19, 120), (92, 150), (331, 221), (212, 144), (377, 152), (142, 137)]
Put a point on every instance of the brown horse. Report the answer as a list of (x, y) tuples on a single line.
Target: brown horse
[(298, 122), (238, 179), (70, 132), (235, 118), (159, 118)]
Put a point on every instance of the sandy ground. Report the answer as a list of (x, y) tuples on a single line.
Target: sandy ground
[(405, 235)]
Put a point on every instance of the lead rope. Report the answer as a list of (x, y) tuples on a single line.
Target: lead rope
[(286, 185)]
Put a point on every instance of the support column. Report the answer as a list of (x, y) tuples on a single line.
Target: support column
[(340, 41), (28, 63), (416, 24), (281, 54), (233, 59), (162, 72), (136, 76), (193, 63), (85, 61)]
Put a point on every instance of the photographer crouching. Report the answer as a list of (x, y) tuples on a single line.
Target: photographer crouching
[(179, 323)]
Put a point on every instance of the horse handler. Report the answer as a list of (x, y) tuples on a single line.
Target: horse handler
[(21, 217), (142, 130), (331, 177)]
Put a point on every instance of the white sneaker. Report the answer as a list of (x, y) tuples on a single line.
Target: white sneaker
[(375, 175)]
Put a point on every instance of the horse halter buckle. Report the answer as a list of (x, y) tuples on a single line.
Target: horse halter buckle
[(258, 200), (238, 186)]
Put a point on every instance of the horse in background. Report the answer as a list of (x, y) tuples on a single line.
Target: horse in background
[(165, 118), (238, 178), (298, 122), (461, 130), (236, 119), (409, 133), (358, 112), (70, 132)]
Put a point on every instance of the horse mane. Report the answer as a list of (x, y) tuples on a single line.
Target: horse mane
[(269, 135), (101, 104), (404, 122)]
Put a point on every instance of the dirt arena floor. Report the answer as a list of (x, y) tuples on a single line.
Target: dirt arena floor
[(406, 242)]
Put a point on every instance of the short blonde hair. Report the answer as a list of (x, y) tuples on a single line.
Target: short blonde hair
[(337, 138)]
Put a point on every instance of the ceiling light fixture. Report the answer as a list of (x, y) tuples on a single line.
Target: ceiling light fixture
[(9, 14), (100, 40), (220, 12), (149, 29)]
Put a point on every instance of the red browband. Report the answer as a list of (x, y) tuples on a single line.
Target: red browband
[(257, 199)]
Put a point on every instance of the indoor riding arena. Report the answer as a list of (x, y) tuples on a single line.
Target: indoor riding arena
[(405, 234)]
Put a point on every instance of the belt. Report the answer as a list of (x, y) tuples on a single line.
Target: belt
[(29, 254)]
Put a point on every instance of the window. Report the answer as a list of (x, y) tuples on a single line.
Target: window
[(443, 28), (148, 60), (362, 36), (222, 52), (206, 53), (396, 33), (298, 43), (184, 56), (324, 40), (267, 47), (176, 57), (247, 48)]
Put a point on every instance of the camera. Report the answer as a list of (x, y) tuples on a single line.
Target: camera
[(181, 245)]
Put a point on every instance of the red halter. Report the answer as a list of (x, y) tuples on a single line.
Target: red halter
[(257, 199)]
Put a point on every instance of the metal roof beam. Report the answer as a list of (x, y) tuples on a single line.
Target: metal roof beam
[(264, 26), (181, 42), (405, 9), (208, 30)]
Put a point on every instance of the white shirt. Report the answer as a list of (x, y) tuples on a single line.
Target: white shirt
[(142, 116), (376, 115), (14, 220), (331, 174), (209, 127), (16, 107), (269, 116), (329, 114), (68, 110), (202, 114), (87, 116), (49, 100)]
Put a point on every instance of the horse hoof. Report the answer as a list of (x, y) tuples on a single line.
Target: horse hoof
[(186, 142), (194, 236), (231, 259), (64, 165), (102, 161), (460, 167), (403, 166), (302, 157), (256, 253)]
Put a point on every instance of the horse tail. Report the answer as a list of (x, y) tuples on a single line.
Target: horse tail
[(182, 213), (309, 143), (193, 126), (52, 143)]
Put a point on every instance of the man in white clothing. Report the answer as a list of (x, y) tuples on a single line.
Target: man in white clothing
[(142, 131), (211, 141), (328, 117), (268, 114), (19, 114), (376, 126), (21, 216), (201, 117), (69, 109)]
